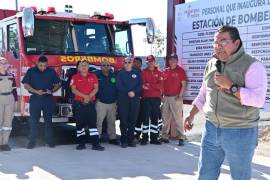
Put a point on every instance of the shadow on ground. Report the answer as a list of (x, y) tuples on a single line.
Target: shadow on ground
[(167, 161)]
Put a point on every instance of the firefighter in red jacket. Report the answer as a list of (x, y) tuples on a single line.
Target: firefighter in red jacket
[(84, 85), (151, 99), (174, 87)]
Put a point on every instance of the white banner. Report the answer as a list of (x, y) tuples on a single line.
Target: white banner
[(197, 22)]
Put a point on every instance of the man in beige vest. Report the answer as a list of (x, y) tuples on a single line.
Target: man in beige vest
[(233, 89)]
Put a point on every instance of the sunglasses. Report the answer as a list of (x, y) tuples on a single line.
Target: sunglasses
[(105, 65), (127, 62)]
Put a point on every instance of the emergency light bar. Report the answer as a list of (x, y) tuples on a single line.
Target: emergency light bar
[(50, 10), (105, 16)]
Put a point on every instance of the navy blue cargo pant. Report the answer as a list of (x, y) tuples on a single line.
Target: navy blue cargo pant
[(46, 104), (128, 109), (139, 122), (86, 122)]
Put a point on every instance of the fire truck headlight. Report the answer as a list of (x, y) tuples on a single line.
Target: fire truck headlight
[(66, 111)]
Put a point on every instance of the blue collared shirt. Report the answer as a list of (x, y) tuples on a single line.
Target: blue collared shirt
[(107, 92), (41, 80), (129, 81)]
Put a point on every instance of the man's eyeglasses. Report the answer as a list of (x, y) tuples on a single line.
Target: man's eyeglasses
[(127, 62), (222, 43), (106, 65)]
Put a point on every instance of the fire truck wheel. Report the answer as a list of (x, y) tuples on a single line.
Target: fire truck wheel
[(20, 126)]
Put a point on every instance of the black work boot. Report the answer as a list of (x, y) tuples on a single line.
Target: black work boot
[(114, 142), (5, 147), (164, 140), (132, 144), (80, 147), (31, 145), (181, 142), (98, 147), (144, 141), (155, 141), (124, 145)]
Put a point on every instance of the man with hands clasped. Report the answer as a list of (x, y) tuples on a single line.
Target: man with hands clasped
[(41, 82), (129, 86), (84, 85)]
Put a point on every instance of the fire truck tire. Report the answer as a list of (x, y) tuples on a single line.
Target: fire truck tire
[(20, 126)]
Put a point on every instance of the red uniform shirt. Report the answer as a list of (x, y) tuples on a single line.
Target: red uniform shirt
[(84, 84), (153, 81), (172, 80)]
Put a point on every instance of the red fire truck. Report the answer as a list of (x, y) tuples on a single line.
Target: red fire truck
[(64, 38)]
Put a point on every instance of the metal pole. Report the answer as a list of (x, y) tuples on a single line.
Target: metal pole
[(16, 4), (170, 25)]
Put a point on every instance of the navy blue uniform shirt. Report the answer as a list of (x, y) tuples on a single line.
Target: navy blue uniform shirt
[(41, 80), (129, 81), (107, 92)]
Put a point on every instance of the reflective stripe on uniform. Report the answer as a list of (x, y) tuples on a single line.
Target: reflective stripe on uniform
[(80, 131), (153, 126), (6, 128), (138, 129), (93, 132), (160, 122), (153, 131), (145, 131), (145, 127), (81, 134)]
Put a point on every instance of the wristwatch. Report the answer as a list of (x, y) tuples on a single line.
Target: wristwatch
[(234, 88)]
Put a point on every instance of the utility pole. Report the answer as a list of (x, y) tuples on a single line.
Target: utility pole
[(16, 5)]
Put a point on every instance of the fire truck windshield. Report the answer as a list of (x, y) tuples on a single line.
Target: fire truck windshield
[(64, 37)]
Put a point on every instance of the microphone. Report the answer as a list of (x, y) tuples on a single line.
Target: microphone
[(218, 66)]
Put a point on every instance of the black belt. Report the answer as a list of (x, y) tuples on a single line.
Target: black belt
[(83, 103), (6, 93)]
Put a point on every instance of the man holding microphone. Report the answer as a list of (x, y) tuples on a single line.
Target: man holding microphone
[(233, 89)]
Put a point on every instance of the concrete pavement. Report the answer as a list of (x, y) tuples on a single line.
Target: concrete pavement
[(167, 161)]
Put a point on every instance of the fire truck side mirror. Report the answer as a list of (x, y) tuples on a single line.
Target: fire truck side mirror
[(150, 27), (150, 30), (28, 22)]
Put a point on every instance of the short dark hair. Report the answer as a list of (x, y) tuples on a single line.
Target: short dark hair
[(138, 59), (81, 61), (233, 31), (43, 59)]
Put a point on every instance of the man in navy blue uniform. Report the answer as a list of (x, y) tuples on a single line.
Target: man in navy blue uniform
[(137, 65), (41, 82), (129, 85), (106, 101)]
